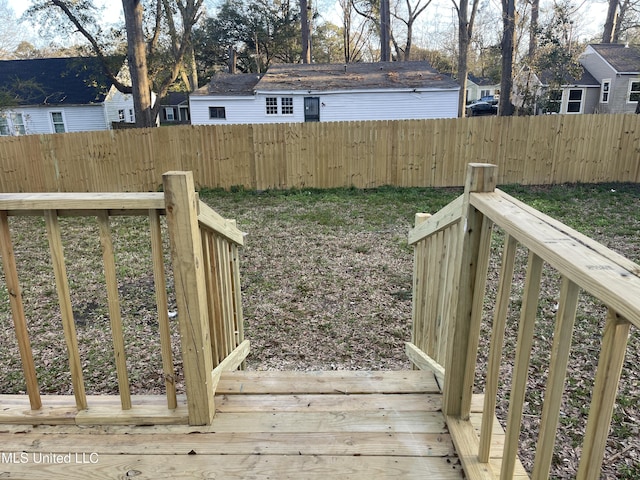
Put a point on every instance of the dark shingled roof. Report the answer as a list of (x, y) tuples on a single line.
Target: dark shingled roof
[(351, 76), (481, 81), (625, 59), (55, 81), (585, 79), (230, 84)]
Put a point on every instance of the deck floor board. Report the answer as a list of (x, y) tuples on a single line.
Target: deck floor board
[(268, 425)]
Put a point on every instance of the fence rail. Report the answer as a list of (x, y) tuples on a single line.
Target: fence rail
[(203, 244), (548, 149), (456, 307)]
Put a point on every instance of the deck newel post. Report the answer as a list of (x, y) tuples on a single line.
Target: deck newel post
[(464, 322), (181, 203)]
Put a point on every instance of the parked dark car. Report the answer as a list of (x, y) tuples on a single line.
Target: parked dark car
[(479, 108), (492, 99)]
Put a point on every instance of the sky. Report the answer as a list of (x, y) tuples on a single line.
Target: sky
[(593, 11)]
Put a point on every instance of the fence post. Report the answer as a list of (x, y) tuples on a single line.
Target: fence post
[(181, 203), (465, 322)]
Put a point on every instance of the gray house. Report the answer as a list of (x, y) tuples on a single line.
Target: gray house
[(327, 93), (617, 70)]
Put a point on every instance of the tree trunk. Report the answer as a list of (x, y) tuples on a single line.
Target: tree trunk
[(305, 8), (505, 107), (385, 31), (463, 50), (533, 29), (609, 24), (136, 54)]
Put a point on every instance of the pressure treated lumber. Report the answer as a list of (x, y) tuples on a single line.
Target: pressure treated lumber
[(190, 287), (17, 312)]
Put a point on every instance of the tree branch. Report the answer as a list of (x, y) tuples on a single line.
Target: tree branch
[(94, 45)]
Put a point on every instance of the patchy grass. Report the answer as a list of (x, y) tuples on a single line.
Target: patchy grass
[(327, 278)]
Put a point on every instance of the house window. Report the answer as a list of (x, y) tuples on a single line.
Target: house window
[(634, 91), (4, 126), (132, 116), (18, 124), (485, 93), (217, 112), (58, 122), (121, 115), (604, 91), (184, 114), (287, 105), (272, 105), (169, 114), (574, 104)]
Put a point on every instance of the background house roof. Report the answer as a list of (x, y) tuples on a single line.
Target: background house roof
[(623, 58), (230, 84), (585, 79), (55, 81), (381, 75), (482, 81)]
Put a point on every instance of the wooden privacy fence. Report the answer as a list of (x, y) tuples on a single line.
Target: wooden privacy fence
[(204, 258), (548, 149), (452, 251)]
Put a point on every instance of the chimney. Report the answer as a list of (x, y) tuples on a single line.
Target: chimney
[(233, 59)]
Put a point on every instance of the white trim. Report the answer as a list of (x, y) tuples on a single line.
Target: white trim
[(631, 82), (606, 81), (53, 124)]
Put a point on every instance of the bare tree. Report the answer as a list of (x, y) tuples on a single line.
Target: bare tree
[(505, 107), (385, 31), (465, 31), (10, 36), (533, 28), (305, 8), (610, 22), (81, 14), (412, 13)]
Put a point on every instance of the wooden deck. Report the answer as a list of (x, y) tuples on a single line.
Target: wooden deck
[(268, 425)]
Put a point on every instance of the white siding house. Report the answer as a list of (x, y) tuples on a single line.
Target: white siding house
[(59, 95), (327, 93)]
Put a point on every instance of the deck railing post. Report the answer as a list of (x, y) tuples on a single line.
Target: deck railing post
[(464, 326), (181, 203)]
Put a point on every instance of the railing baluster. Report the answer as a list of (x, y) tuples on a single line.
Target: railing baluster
[(64, 299), (452, 237), (237, 294), (114, 309), (495, 349), (163, 308), (223, 270), (17, 312), (521, 367), (614, 347), (565, 321)]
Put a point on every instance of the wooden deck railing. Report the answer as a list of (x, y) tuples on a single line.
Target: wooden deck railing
[(447, 319), (204, 256)]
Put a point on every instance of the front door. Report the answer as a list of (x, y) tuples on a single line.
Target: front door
[(312, 109)]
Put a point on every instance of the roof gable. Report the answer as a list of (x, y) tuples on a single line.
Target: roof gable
[(55, 81), (354, 76), (622, 58)]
